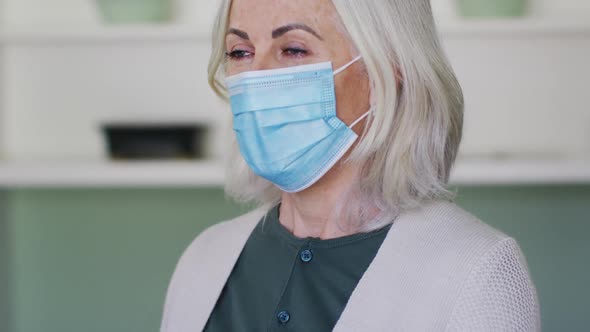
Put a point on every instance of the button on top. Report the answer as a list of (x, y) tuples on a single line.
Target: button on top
[(284, 317), (306, 255)]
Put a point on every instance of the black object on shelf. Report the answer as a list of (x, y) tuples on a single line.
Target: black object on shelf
[(155, 141)]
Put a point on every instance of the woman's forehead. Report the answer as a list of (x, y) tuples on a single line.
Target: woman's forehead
[(263, 16)]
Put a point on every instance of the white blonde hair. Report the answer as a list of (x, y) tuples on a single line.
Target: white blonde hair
[(411, 141)]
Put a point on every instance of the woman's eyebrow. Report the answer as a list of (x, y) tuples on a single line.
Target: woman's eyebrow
[(294, 26), (239, 33)]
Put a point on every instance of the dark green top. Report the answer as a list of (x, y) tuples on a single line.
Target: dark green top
[(282, 282)]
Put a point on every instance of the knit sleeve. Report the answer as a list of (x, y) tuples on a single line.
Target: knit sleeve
[(498, 295)]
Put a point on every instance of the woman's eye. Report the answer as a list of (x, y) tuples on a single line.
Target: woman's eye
[(237, 54), (294, 52)]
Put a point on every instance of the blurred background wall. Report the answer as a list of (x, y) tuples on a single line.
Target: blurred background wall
[(93, 220)]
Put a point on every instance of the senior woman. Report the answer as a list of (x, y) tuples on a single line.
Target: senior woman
[(347, 118)]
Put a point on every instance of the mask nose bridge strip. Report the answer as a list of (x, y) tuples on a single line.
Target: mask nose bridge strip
[(343, 68)]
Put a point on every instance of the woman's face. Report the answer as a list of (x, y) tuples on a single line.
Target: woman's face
[(270, 34)]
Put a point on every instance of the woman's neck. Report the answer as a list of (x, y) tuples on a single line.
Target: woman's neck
[(312, 212)]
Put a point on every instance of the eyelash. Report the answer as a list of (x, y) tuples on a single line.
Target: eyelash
[(236, 54), (293, 52)]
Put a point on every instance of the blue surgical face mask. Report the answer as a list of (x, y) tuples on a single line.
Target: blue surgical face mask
[(286, 125)]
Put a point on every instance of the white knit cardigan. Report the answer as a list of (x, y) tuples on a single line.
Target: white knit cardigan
[(438, 269)]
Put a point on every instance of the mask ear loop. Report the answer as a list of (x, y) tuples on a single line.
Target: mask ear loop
[(360, 119), (341, 69)]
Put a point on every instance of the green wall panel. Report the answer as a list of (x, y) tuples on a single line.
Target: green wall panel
[(100, 260), (5, 255)]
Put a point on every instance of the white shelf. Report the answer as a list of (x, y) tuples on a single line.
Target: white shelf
[(112, 174), (514, 27), (212, 174), (99, 34), (509, 27), (520, 172)]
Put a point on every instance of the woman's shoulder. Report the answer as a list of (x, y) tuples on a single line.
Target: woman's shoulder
[(225, 239), (451, 240), (497, 291), (202, 270), (227, 231), (444, 229), (445, 221), (471, 276)]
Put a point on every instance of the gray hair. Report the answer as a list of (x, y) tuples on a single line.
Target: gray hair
[(412, 137)]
